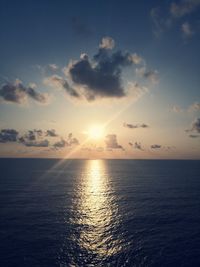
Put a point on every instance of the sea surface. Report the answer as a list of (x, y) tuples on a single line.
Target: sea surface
[(99, 213)]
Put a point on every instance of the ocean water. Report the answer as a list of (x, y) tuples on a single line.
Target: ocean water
[(99, 213)]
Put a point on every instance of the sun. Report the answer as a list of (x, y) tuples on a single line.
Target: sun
[(95, 131)]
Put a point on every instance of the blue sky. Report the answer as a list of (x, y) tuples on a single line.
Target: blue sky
[(156, 82)]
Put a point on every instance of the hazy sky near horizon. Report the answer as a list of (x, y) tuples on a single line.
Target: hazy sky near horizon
[(100, 79)]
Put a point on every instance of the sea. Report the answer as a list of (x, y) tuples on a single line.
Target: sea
[(56, 212)]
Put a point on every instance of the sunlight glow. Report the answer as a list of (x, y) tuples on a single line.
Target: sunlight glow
[(96, 132)]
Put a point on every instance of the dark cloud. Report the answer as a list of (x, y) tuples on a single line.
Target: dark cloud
[(155, 146), (101, 76), (31, 135), (8, 135), (51, 133), (17, 93), (111, 142), (71, 141), (60, 144), (135, 126), (40, 143), (34, 138)]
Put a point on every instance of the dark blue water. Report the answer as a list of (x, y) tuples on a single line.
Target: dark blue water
[(99, 213)]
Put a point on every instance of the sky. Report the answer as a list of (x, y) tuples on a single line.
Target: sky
[(100, 79)]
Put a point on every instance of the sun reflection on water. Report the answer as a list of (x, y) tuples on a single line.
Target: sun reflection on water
[(96, 213)]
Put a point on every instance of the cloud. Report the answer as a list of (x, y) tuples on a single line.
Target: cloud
[(135, 126), (41, 143), (107, 43), (111, 142), (195, 126), (8, 135), (194, 136), (53, 67), (187, 30), (47, 69), (164, 19), (17, 93), (155, 146), (138, 145), (60, 144), (194, 107), (136, 59), (176, 109), (183, 8), (51, 133), (31, 135), (36, 138), (152, 75), (71, 141), (135, 90), (59, 82), (101, 75), (159, 22)]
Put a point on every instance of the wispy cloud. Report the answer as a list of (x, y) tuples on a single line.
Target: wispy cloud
[(176, 109), (194, 107), (187, 30), (152, 75), (183, 7), (163, 20), (135, 126)]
